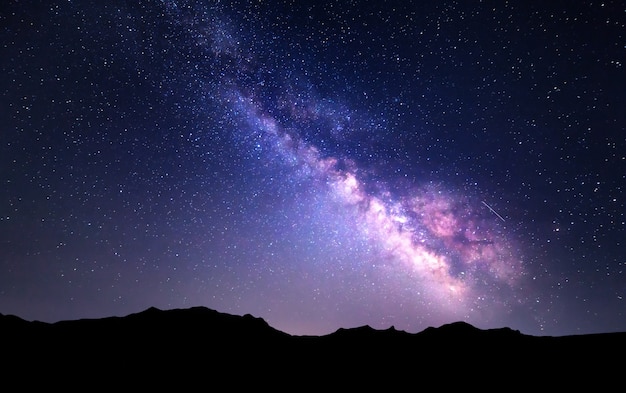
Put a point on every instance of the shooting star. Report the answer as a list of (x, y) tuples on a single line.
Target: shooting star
[(493, 211)]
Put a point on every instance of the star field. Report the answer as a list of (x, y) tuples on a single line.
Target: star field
[(317, 164)]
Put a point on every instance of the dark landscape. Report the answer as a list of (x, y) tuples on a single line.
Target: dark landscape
[(161, 346)]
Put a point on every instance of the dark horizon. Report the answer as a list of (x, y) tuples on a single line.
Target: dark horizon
[(460, 325), (200, 346)]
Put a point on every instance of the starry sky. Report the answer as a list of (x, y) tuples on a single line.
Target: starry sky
[(318, 164)]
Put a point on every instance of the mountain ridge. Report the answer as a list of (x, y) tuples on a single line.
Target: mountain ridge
[(459, 327), (178, 344)]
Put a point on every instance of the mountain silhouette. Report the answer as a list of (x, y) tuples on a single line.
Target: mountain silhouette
[(180, 348)]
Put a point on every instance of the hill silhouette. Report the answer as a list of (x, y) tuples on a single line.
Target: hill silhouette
[(179, 346)]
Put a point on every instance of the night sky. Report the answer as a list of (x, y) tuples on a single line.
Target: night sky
[(316, 164)]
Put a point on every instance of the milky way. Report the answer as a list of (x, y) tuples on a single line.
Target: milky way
[(452, 253), (442, 243), (318, 165)]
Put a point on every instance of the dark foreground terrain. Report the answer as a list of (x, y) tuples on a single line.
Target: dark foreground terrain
[(208, 350)]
